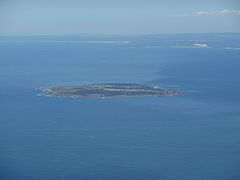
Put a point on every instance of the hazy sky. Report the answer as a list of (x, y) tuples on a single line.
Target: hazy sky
[(30, 17)]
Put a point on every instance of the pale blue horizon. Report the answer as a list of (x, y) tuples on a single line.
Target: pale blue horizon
[(113, 17)]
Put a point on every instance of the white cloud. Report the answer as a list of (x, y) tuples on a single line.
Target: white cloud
[(200, 45), (228, 11), (221, 12), (202, 13)]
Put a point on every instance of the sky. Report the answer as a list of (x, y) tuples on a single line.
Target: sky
[(56, 17)]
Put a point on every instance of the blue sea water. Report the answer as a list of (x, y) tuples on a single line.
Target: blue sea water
[(193, 136)]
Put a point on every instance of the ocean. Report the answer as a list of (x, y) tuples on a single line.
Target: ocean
[(192, 136)]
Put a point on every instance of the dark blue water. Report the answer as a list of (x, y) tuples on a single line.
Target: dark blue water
[(194, 136)]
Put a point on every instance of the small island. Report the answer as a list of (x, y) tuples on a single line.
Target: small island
[(108, 90)]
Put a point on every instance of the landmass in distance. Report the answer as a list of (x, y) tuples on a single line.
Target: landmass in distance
[(108, 90)]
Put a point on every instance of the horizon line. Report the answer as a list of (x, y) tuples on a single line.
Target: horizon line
[(130, 34)]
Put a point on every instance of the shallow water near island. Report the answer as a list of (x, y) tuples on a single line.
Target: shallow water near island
[(193, 136)]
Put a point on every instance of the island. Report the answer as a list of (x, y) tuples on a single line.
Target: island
[(103, 90)]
